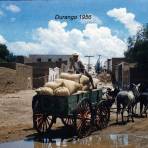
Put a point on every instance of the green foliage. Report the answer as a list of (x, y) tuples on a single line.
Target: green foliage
[(4, 52), (138, 47), (5, 55)]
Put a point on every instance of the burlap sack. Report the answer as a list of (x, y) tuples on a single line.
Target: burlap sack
[(53, 85), (61, 91), (72, 77), (86, 87), (45, 91), (84, 80), (71, 85)]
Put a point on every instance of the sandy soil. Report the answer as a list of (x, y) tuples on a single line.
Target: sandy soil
[(15, 115), (16, 118)]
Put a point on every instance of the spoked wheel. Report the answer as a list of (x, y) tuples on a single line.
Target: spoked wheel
[(98, 118), (84, 117), (68, 121), (42, 122), (102, 115)]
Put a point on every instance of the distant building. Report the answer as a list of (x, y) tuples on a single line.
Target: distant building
[(112, 63), (123, 74), (36, 58), (127, 73), (41, 64)]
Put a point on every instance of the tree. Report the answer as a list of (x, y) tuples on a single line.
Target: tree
[(5, 55), (138, 47), (4, 52)]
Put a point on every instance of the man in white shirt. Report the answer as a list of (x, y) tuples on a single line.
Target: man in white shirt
[(79, 68)]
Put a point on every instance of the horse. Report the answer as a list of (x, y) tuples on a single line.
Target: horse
[(111, 95), (143, 99), (128, 100)]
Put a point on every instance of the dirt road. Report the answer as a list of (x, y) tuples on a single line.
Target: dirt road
[(16, 118), (15, 115)]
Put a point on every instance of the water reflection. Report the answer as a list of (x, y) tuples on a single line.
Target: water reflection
[(94, 141), (120, 139), (103, 141)]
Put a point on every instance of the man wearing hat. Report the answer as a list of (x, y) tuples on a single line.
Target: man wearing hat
[(79, 68)]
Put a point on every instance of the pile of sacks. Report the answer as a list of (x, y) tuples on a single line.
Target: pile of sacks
[(66, 85)]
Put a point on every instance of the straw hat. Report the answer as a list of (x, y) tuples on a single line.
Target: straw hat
[(75, 55)]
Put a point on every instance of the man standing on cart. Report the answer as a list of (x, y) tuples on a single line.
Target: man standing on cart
[(79, 67)]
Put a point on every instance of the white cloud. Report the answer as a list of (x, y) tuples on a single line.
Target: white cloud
[(13, 8), (94, 19), (2, 40), (54, 39), (126, 18), (1, 13)]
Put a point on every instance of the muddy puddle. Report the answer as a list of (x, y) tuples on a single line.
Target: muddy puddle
[(94, 141)]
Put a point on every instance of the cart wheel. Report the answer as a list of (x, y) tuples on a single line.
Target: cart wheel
[(68, 121), (42, 122), (84, 117), (98, 118), (102, 115)]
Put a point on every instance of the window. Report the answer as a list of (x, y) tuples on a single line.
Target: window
[(49, 60), (60, 59), (39, 60)]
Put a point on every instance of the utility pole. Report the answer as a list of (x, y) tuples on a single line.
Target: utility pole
[(99, 58), (98, 65), (88, 61)]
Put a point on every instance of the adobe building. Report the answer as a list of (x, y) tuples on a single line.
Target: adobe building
[(127, 73), (112, 63), (41, 63), (123, 74), (15, 76), (36, 58)]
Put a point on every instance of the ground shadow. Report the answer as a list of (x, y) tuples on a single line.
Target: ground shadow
[(118, 123), (58, 133), (139, 116), (28, 129)]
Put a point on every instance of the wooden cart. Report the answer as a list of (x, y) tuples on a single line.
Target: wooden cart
[(80, 110)]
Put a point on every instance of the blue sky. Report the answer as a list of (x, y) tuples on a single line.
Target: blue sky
[(19, 20)]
